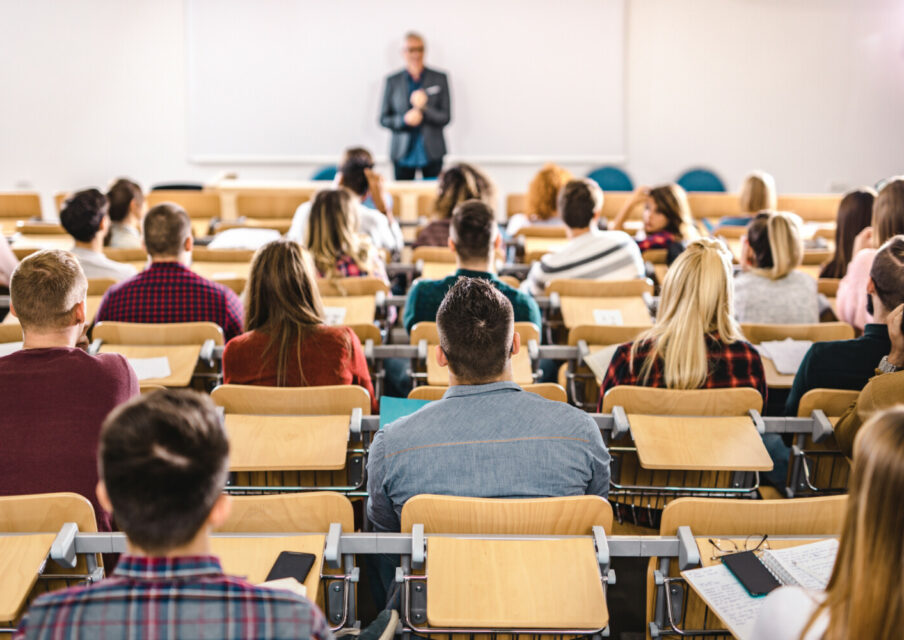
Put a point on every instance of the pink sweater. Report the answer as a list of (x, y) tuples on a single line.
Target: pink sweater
[(851, 299)]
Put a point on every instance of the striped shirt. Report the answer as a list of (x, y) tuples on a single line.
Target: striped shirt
[(180, 597), (596, 255)]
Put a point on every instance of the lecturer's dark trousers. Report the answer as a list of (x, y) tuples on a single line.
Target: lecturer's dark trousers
[(430, 170)]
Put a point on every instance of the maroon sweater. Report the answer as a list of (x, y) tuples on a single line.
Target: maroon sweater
[(52, 404)]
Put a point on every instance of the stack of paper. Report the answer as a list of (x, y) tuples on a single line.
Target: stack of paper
[(785, 354)]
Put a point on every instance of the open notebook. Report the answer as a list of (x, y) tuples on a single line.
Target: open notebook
[(807, 565)]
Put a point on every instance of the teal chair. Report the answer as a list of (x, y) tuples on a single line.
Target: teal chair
[(611, 179), (325, 173), (701, 180)]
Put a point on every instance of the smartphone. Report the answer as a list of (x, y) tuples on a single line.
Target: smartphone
[(291, 564), (751, 572)]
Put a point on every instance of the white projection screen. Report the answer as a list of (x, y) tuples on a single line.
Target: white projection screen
[(275, 81)]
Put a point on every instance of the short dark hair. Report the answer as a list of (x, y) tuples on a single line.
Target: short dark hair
[(577, 202), (355, 162), (121, 194), (887, 273), (475, 323), (164, 459), (473, 225), (82, 214), (166, 227)]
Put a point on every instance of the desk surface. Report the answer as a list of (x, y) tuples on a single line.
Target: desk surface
[(287, 443), (699, 444), (524, 584), (438, 270), (222, 270), (774, 379), (438, 376), (182, 360), (21, 560), (578, 311), (358, 309)]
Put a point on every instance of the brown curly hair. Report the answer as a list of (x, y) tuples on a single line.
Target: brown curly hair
[(544, 189)]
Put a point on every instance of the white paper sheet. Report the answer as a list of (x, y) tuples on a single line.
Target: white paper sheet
[(785, 354), (608, 317), (9, 347), (243, 238), (809, 565), (148, 368), (727, 597), (334, 315), (598, 362)]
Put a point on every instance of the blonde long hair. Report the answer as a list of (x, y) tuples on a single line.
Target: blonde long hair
[(696, 301), (332, 232), (758, 193), (865, 596), (775, 239)]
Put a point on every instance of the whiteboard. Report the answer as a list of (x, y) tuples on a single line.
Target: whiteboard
[(293, 81)]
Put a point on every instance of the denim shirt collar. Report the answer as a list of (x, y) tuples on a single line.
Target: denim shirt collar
[(462, 390)]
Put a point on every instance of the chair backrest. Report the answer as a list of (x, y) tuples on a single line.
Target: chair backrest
[(595, 334), (515, 203), (832, 402), (611, 179), (351, 286), (45, 512), (714, 205), (126, 255), (325, 173), (367, 332), (99, 286), (548, 390), (828, 286), (40, 228), (700, 180), (543, 231), (683, 402), (197, 203), (21, 205), (719, 516), (271, 204), (149, 388), (203, 254), (302, 401), (428, 331), (572, 515), (10, 333), (165, 334), (289, 513), (426, 204), (812, 207), (599, 288), (819, 332), (433, 254)]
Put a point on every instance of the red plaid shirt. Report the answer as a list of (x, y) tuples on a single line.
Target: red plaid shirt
[(736, 364), (171, 292), (658, 240)]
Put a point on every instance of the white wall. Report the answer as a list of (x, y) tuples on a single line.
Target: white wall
[(809, 90)]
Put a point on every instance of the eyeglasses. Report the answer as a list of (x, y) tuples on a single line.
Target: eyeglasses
[(721, 547)]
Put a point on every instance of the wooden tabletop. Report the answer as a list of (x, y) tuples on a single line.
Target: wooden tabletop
[(182, 360), (707, 550), (542, 584), (43, 241), (221, 270), (358, 309), (774, 379), (438, 270), (252, 558), (699, 444), (21, 560), (287, 443), (438, 376), (578, 311), (545, 245)]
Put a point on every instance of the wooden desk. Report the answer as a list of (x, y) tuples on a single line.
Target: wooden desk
[(21, 560), (543, 245), (438, 270), (222, 270), (438, 376), (577, 311), (358, 309), (287, 443), (182, 360), (774, 379), (699, 444), (252, 558), (707, 550), (528, 584), (42, 241)]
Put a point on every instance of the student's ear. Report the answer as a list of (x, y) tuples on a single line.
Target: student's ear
[(104, 224), (870, 288), (81, 312), (189, 244), (497, 242), (451, 244), (441, 357), (12, 311), (103, 498), (516, 343), (219, 514)]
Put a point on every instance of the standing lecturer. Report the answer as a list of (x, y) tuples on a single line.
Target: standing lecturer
[(416, 107)]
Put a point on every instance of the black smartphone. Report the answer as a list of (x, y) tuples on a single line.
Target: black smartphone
[(751, 572), (291, 564)]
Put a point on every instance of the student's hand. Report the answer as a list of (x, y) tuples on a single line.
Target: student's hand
[(864, 240), (419, 99), (413, 117), (896, 335), (640, 194)]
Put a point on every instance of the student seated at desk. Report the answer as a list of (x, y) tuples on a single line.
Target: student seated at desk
[(127, 206), (769, 290), (84, 217), (854, 213), (542, 201), (864, 597), (164, 462), (287, 343), (849, 364), (54, 395), (456, 184), (168, 290), (474, 237), (591, 254), (667, 220), (485, 437)]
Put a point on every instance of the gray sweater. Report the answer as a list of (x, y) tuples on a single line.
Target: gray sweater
[(793, 299)]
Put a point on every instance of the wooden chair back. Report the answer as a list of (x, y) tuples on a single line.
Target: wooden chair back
[(543, 231), (303, 401), (511, 281), (832, 402), (166, 334), (40, 228), (713, 205), (819, 332), (426, 204), (433, 254), (351, 286), (572, 515), (20, 205), (289, 513), (23, 252), (367, 332), (126, 255), (580, 288), (203, 254), (99, 286), (10, 333), (812, 207), (686, 402), (655, 256), (45, 513), (828, 286), (197, 204), (272, 205), (613, 203), (515, 203), (149, 388), (548, 390), (803, 516)]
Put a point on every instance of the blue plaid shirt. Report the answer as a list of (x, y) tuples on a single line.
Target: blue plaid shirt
[(183, 597)]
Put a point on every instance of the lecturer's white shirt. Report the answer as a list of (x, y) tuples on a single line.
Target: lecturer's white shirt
[(370, 222)]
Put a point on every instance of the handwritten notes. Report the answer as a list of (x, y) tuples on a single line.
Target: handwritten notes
[(808, 565), (151, 368), (608, 317), (727, 597), (785, 354)]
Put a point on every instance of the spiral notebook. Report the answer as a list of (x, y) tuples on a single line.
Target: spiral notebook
[(807, 565)]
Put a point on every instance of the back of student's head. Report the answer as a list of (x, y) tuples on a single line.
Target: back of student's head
[(476, 324), (473, 230), (758, 193), (696, 300), (355, 162), (163, 458), (122, 193), (888, 210), (458, 183), (45, 288), (166, 227), (774, 237), (865, 595), (83, 214), (282, 300), (543, 191), (332, 226), (855, 212), (671, 201), (579, 200), (887, 273)]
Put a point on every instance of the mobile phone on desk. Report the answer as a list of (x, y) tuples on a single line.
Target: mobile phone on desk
[(292, 564), (751, 573)]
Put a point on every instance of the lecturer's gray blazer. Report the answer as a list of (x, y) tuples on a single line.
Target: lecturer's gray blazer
[(437, 113)]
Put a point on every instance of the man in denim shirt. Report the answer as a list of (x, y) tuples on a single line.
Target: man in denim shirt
[(485, 437)]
